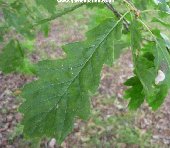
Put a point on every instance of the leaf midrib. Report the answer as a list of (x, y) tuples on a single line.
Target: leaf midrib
[(83, 67)]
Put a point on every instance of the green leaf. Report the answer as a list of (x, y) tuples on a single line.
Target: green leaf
[(11, 57), (45, 28), (135, 93), (136, 36), (158, 20), (162, 57), (49, 5), (118, 31), (118, 48), (141, 4), (60, 13), (143, 87), (166, 40), (147, 62), (163, 6), (62, 91), (92, 5), (18, 17), (159, 98), (146, 73), (99, 15)]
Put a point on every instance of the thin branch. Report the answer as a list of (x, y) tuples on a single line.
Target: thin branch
[(118, 15)]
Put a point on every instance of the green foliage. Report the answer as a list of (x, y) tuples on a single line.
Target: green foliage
[(50, 5), (162, 4), (161, 22), (23, 19), (148, 61), (63, 88), (16, 15), (12, 58), (65, 95)]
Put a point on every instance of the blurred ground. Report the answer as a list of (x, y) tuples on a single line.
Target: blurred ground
[(111, 124)]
